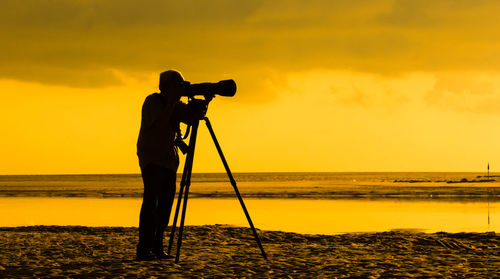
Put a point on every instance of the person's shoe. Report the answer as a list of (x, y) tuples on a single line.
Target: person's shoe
[(145, 256), (161, 255)]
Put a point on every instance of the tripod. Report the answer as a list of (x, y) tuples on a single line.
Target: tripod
[(186, 182)]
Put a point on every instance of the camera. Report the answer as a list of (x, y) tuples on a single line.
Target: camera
[(225, 88)]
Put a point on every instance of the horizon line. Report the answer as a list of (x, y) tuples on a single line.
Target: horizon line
[(248, 172)]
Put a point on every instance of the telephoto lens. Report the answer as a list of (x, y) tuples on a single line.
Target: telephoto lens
[(226, 88)]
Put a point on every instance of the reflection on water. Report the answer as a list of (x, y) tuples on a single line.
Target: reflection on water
[(294, 215)]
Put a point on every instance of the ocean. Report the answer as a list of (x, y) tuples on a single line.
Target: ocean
[(324, 203), (267, 185)]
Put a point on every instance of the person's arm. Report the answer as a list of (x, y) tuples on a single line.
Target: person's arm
[(147, 112), (153, 109), (182, 112)]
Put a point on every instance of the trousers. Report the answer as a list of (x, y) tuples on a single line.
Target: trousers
[(157, 201)]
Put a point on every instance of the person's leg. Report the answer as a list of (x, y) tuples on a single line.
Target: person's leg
[(147, 217), (165, 202)]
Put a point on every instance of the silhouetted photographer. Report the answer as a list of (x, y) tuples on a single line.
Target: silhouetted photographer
[(157, 146), (159, 139)]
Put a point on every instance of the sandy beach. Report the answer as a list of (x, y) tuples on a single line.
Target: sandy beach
[(217, 251)]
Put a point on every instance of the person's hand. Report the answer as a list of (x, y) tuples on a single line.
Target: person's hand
[(198, 108), (178, 90)]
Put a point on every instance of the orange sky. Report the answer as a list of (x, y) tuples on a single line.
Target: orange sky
[(322, 85)]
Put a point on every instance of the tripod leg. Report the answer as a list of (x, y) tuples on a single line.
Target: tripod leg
[(188, 166), (233, 183), (177, 207)]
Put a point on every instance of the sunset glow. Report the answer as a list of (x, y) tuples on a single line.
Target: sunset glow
[(322, 85)]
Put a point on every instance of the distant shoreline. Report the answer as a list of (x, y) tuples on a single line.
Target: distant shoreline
[(482, 173), (285, 185)]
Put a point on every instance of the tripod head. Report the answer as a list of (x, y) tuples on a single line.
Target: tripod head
[(198, 109)]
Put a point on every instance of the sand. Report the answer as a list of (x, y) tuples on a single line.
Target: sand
[(224, 251)]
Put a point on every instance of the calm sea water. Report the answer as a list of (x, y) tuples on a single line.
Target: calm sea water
[(325, 216), (310, 177), (313, 216), (214, 181)]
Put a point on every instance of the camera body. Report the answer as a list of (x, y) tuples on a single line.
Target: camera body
[(198, 107), (225, 88)]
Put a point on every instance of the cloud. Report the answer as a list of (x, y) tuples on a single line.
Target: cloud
[(62, 38), (359, 91), (466, 92), (83, 43)]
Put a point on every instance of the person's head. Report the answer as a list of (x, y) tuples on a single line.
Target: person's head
[(171, 81)]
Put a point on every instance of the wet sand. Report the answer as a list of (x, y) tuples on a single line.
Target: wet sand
[(223, 251), (254, 190)]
